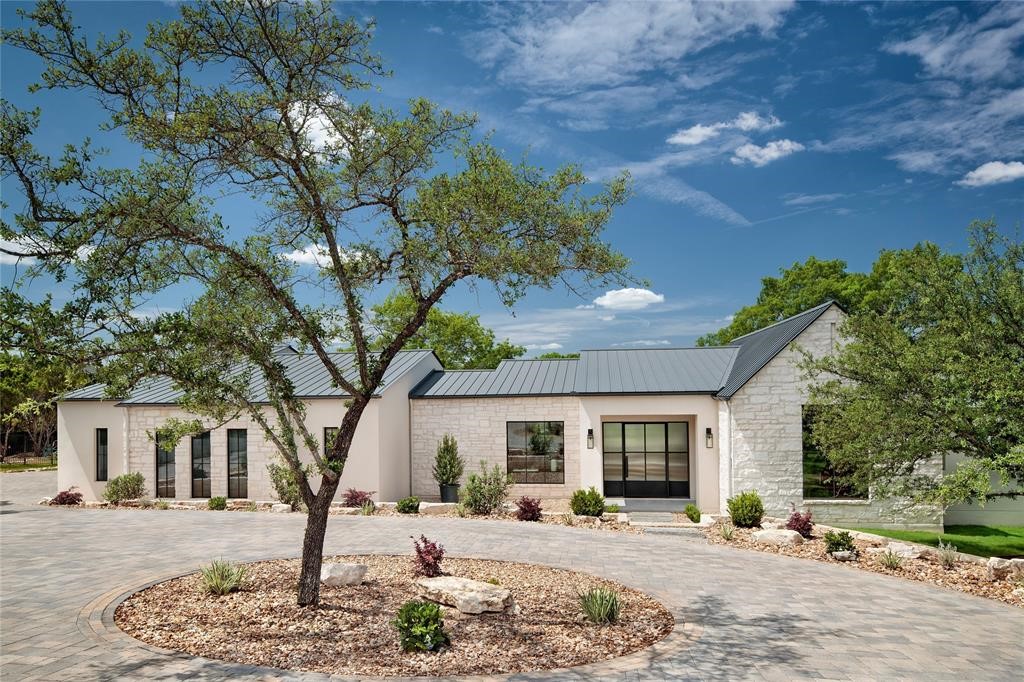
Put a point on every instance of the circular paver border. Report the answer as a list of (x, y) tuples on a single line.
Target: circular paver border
[(96, 622)]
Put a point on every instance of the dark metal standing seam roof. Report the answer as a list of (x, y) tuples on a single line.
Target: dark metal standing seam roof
[(509, 378), (308, 375), (661, 370), (756, 349)]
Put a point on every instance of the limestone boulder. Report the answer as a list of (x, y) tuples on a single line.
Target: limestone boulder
[(906, 551), (844, 556), (1004, 569), (337, 575), (281, 508), (778, 536), (468, 596), (436, 508)]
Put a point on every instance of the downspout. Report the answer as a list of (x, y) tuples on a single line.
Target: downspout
[(727, 439)]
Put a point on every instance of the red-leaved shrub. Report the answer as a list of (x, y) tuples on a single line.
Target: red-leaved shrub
[(429, 554), (528, 509), (801, 523), (356, 498), (69, 497)]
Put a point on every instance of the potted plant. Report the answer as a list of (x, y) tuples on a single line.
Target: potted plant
[(448, 467)]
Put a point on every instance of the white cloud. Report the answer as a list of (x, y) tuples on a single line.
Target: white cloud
[(543, 346), (606, 318), (748, 121), (629, 298), (992, 173), (435, 29), (573, 46), (314, 254), (25, 250), (810, 199), (643, 342), (761, 156), (982, 50)]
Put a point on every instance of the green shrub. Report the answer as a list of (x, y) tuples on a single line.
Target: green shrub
[(217, 503), (162, 504), (125, 487), (222, 577), (726, 531), (611, 509), (368, 508), (947, 555), (250, 506), (692, 513), (448, 465), (746, 509), (891, 559), (408, 505), (587, 502), (285, 484), (600, 605), (486, 491), (839, 542), (420, 626)]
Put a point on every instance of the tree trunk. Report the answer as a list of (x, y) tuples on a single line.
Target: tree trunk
[(313, 544)]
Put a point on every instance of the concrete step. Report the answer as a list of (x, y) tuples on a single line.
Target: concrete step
[(640, 517)]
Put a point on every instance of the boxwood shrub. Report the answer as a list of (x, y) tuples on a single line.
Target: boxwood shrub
[(746, 509)]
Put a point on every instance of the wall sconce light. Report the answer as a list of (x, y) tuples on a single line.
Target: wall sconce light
[(709, 439), (590, 439)]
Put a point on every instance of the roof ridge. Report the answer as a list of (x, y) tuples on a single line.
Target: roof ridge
[(784, 320)]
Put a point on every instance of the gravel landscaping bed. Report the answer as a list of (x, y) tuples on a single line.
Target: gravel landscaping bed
[(965, 577), (350, 633)]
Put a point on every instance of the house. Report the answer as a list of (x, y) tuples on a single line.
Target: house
[(679, 424)]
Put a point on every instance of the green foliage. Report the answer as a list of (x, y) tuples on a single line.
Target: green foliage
[(487, 491), (726, 530), (746, 509), (553, 355), (458, 339), (839, 541), (30, 384), (587, 502), (948, 555), (368, 508), (285, 484), (692, 513), (408, 505), (611, 509), (217, 503), (125, 487), (161, 504), (800, 286), (420, 626), (448, 465), (891, 560), (600, 605), (222, 577), (935, 364)]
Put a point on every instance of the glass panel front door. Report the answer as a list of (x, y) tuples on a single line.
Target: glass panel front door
[(646, 459)]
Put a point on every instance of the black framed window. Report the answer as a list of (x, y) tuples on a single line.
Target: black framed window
[(201, 465), (536, 451), (330, 433), (164, 468), (822, 479), (101, 454), (238, 463)]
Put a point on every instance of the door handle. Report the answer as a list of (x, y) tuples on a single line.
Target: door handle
[(625, 466)]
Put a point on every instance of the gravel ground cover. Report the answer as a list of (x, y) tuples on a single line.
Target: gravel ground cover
[(350, 633), (965, 577)]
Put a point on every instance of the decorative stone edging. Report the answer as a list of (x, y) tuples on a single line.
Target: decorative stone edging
[(96, 621)]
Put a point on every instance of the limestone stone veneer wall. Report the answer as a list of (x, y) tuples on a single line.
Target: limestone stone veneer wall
[(764, 423), (479, 426)]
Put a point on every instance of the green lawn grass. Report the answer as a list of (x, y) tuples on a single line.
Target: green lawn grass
[(18, 466), (1002, 541)]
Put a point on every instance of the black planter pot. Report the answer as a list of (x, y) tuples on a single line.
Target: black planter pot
[(450, 493)]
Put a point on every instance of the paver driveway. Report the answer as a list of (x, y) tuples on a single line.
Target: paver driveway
[(763, 616)]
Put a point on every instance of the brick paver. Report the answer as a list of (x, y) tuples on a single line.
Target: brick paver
[(740, 615)]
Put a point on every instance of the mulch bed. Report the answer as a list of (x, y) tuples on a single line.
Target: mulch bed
[(350, 632), (966, 577)]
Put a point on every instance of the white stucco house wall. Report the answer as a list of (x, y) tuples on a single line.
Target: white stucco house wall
[(674, 425)]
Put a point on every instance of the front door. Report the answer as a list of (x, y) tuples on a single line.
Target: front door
[(646, 459)]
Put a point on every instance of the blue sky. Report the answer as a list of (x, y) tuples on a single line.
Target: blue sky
[(756, 134)]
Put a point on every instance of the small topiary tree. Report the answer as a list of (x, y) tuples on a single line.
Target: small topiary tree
[(448, 465), (746, 509), (587, 502), (125, 487)]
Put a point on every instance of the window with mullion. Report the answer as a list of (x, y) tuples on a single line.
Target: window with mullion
[(101, 454), (535, 451), (201, 465), (164, 468), (238, 463)]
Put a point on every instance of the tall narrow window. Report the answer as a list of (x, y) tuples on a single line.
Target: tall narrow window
[(330, 433), (238, 464), (164, 468), (201, 465), (101, 454)]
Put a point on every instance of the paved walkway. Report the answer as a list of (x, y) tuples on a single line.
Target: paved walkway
[(762, 616)]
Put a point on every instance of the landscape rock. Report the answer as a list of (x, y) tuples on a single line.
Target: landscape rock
[(1003, 569), (346, 511), (335, 575), (468, 596), (904, 550), (281, 508), (844, 556), (778, 536), (95, 504), (436, 508), (769, 525), (45, 500)]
